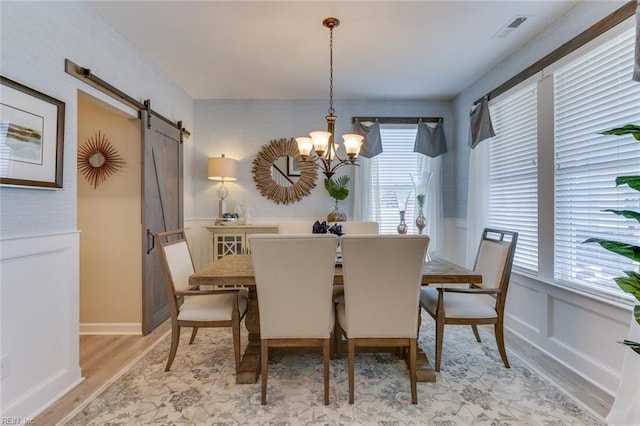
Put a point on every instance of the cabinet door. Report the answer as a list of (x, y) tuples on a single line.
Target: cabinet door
[(225, 244)]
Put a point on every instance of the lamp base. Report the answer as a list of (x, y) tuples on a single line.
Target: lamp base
[(222, 207)]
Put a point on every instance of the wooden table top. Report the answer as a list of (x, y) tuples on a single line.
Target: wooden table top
[(238, 270)]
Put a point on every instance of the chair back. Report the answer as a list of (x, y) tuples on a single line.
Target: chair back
[(495, 259), (360, 228), (296, 227), (176, 261), (294, 281), (382, 279)]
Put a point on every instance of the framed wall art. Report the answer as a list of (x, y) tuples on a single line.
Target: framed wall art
[(31, 137)]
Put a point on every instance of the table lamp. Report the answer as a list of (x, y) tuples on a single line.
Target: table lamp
[(225, 170)]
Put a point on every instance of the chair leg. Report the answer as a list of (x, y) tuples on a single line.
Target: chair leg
[(412, 370), (235, 329), (475, 332), (175, 338), (326, 349), (500, 341), (351, 348), (439, 336), (264, 354), (193, 335)]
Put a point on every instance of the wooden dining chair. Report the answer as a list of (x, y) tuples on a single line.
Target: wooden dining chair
[(478, 303), (382, 278), (294, 277), (353, 228), (192, 307)]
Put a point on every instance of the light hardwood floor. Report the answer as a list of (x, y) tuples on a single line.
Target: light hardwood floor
[(102, 357)]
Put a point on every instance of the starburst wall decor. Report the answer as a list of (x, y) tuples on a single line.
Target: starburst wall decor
[(98, 159)]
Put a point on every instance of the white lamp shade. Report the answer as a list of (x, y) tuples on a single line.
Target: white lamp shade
[(222, 168), (352, 143), (304, 146), (320, 140)]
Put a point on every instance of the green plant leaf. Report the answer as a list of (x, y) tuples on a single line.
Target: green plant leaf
[(338, 188), (628, 129), (635, 346), (623, 249), (629, 214), (632, 181), (636, 313), (630, 284)]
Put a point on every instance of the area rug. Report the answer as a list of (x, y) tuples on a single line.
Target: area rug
[(473, 388)]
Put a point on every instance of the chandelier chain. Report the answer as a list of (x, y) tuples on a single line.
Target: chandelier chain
[(331, 110)]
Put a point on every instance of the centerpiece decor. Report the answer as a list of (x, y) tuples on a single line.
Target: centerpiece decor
[(338, 189), (402, 198), (421, 185)]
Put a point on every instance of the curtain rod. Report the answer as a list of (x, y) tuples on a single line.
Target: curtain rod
[(85, 74), (398, 120), (605, 24)]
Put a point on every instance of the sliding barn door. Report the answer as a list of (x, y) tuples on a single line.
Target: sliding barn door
[(162, 210)]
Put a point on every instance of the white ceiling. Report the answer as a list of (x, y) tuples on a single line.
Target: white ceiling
[(280, 50)]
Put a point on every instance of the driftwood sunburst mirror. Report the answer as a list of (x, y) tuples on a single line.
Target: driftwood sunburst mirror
[(98, 159), (281, 175)]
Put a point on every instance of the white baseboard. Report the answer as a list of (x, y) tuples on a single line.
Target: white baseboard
[(107, 328)]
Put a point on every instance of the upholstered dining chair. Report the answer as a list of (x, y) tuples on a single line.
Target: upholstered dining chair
[(353, 228), (477, 304), (382, 278), (192, 307), (294, 277)]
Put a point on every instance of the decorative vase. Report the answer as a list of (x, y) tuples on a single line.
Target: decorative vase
[(421, 185), (421, 221), (337, 215), (402, 198)]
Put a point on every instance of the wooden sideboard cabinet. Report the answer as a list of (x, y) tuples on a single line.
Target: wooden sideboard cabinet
[(234, 239)]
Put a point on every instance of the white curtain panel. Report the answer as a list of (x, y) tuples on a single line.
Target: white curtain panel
[(433, 202), (478, 196), (365, 190)]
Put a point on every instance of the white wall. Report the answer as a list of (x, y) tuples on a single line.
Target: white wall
[(578, 330), (36, 38), (239, 128)]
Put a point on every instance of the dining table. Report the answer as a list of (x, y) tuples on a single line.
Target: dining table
[(237, 270)]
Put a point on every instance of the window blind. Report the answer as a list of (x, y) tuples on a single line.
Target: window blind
[(513, 175), (592, 94), (394, 165)]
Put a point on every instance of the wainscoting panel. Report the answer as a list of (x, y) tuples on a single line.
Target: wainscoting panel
[(39, 313), (519, 299), (579, 331)]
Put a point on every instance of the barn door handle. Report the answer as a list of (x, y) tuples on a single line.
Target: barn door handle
[(153, 242)]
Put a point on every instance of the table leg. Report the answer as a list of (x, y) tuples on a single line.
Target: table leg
[(247, 372), (424, 370)]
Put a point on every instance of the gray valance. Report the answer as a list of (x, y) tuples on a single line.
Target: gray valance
[(430, 141), (372, 143), (481, 126)]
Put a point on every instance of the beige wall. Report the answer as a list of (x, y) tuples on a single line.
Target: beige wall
[(109, 223)]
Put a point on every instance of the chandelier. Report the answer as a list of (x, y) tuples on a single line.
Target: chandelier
[(325, 149)]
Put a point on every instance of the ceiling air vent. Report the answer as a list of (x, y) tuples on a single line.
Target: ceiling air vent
[(512, 25)]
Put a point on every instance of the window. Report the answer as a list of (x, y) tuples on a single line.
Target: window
[(558, 201), (392, 173), (592, 94), (513, 173)]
